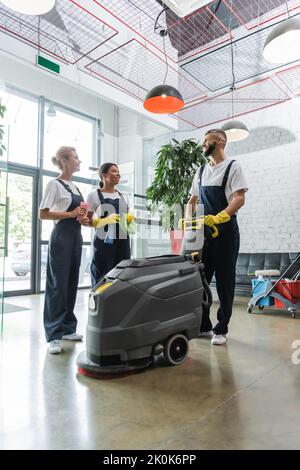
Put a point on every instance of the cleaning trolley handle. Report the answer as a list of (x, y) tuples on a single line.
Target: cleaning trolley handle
[(192, 225), (207, 303), (196, 224), (196, 259)]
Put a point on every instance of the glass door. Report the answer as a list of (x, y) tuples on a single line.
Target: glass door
[(3, 210), (19, 273)]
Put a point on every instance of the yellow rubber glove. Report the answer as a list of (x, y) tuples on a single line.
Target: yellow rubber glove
[(220, 218), (127, 224), (130, 218), (110, 219)]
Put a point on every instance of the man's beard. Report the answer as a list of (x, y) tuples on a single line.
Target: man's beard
[(210, 150)]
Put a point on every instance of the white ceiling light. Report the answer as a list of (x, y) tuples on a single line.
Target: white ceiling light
[(235, 131), (30, 7), (282, 44), (185, 7)]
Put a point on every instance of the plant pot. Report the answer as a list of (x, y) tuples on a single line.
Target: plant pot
[(176, 237)]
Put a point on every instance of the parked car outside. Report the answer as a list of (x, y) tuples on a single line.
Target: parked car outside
[(21, 259)]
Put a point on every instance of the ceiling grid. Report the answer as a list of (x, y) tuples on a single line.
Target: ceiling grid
[(118, 42)]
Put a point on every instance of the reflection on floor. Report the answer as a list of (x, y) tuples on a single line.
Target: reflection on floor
[(10, 308), (241, 396)]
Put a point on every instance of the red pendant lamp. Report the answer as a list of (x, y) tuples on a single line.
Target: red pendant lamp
[(163, 99)]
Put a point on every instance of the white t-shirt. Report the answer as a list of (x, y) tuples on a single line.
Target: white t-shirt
[(213, 176), (56, 198), (94, 202)]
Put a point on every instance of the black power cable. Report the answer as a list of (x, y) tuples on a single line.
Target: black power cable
[(232, 88), (162, 31)]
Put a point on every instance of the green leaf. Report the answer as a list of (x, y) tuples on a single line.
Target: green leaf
[(176, 165)]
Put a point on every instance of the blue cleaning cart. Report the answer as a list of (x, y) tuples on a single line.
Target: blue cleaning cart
[(264, 293)]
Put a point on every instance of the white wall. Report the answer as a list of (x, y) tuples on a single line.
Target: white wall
[(270, 158)]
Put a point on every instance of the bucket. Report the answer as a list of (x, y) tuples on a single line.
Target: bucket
[(289, 289)]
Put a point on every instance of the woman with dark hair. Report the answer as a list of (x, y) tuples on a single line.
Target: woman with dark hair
[(111, 243), (61, 203)]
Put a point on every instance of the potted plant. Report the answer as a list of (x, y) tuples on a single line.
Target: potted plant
[(177, 163)]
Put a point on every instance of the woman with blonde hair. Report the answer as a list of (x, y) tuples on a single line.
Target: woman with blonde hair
[(62, 204)]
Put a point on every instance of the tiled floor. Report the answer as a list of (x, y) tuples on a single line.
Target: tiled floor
[(245, 395)]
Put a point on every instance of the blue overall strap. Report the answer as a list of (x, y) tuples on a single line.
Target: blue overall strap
[(100, 196), (67, 187), (101, 199), (123, 199), (225, 179)]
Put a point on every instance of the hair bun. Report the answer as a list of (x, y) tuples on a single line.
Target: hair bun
[(54, 160)]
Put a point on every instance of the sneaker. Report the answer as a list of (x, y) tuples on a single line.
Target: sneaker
[(219, 340), (206, 334), (73, 337), (55, 347)]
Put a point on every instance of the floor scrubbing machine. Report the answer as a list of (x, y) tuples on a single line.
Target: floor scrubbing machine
[(146, 307)]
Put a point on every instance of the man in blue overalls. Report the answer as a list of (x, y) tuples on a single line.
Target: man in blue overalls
[(220, 187)]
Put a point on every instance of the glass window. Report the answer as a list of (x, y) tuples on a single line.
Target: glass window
[(84, 272), (65, 128), (18, 264), (47, 225), (21, 117), (85, 266), (127, 181)]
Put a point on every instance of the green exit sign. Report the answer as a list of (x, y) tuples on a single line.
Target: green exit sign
[(47, 64)]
